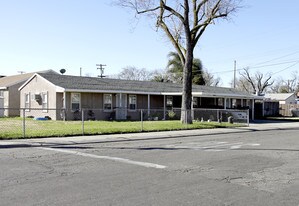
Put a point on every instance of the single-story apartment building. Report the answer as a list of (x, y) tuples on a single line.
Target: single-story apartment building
[(118, 99)]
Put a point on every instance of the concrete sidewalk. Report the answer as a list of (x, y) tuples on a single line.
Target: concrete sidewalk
[(260, 126)]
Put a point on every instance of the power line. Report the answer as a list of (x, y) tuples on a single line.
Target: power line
[(286, 68), (278, 58), (276, 64), (268, 65)]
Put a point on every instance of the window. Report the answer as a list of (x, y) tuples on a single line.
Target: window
[(132, 102), (1, 93), (195, 102), (27, 102), (169, 101), (220, 102), (45, 101), (107, 101), (75, 101), (234, 102)]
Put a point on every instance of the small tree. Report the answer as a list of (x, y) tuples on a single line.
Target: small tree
[(286, 86), (183, 22), (210, 79), (133, 73)]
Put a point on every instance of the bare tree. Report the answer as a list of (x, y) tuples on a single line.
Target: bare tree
[(286, 86), (183, 22), (133, 73), (256, 83), (210, 79)]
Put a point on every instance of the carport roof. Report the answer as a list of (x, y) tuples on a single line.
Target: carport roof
[(67, 83)]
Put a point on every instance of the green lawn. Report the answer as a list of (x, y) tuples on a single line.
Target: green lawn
[(12, 128)]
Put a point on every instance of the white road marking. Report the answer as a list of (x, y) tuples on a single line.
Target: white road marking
[(222, 145), (117, 159), (213, 146)]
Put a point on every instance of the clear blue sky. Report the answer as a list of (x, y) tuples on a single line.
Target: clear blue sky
[(53, 34)]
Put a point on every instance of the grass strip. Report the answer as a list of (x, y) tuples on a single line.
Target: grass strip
[(12, 128)]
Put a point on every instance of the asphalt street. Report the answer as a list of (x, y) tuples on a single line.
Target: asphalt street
[(256, 165)]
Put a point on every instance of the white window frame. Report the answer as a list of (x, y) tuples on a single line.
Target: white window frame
[(75, 102), (27, 101), (133, 101), (107, 100), (45, 101)]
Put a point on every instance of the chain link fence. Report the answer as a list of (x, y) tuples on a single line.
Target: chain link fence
[(26, 123)]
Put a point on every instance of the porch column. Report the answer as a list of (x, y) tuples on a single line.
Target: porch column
[(148, 105), (64, 106), (252, 109), (120, 100), (164, 107), (225, 103), (64, 100)]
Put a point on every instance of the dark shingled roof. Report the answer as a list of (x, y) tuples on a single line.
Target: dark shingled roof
[(70, 83)]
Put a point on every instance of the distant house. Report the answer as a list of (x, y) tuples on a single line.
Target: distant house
[(281, 104), (118, 99), (9, 93), (282, 98)]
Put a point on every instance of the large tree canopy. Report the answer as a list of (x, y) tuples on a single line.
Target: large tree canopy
[(183, 22), (256, 83)]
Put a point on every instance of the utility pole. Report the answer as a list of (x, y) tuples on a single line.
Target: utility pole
[(101, 67), (235, 69)]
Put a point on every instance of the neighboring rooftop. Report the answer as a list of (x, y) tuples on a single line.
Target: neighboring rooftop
[(8, 81), (278, 96)]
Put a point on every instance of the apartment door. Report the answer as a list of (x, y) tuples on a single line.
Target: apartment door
[(121, 107)]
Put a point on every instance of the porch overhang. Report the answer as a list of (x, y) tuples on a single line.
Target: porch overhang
[(194, 94)]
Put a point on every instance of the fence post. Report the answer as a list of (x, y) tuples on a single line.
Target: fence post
[(141, 118), (247, 117), (82, 122), (186, 118), (24, 124)]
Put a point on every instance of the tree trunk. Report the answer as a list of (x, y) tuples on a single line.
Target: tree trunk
[(186, 116)]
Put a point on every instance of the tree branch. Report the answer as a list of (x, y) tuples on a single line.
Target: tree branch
[(248, 78), (171, 10)]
